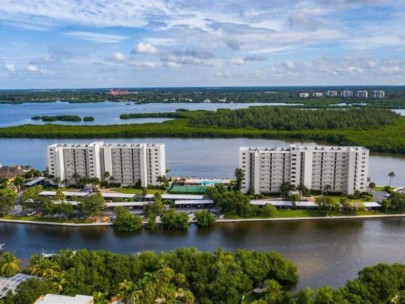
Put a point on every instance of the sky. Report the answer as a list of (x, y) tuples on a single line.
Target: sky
[(182, 43)]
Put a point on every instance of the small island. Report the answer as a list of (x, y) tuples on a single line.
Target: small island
[(88, 118), (69, 118)]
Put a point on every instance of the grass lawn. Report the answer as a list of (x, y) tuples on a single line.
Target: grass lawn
[(46, 220), (136, 191), (298, 213), (382, 188)]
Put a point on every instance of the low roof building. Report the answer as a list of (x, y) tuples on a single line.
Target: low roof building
[(53, 299), (10, 284), (10, 172)]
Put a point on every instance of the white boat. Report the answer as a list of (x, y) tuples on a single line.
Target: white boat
[(47, 255), (1, 247)]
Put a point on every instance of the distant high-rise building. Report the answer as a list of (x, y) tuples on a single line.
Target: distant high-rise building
[(378, 94), (304, 95), (317, 94), (344, 169), (362, 94), (127, 164), (331, 93), (118, 92), (346, 94)]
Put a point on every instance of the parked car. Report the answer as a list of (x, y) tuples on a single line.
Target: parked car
[(31, 213)]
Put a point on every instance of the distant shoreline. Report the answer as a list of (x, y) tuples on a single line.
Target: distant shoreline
[(223, 221)]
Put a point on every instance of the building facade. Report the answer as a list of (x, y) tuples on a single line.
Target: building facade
[(127, 164), (331, 93), (362, 94), (317, 94), (346, 94), (345, 169), (378, 94)]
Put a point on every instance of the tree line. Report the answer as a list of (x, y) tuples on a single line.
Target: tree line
[(189, 276), (71, 118), (283, 118)]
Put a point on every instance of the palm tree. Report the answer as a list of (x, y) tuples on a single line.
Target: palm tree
[(76, 178), (56, 181), (9, 264), (327, 188), (303, 189), (391, 175), (59, 281), (43, 267)]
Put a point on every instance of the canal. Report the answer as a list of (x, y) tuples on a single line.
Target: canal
[(325, 252)]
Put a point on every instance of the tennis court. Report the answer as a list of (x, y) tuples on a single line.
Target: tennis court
[(187, 189)]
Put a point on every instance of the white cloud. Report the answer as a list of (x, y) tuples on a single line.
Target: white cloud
[(10, 67), (32, 68), (236, 61), (222, 75), (119, 57), (96, 37), (145, 48), (143, 64)]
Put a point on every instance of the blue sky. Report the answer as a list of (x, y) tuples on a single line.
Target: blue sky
[(154, 43)]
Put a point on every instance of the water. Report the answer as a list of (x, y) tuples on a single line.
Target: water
[(204, 158), (325, 252), (104, 113)]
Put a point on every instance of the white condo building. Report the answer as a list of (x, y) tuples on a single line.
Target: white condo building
[(331, 93), (378, 94), (127, 163), (362, 94), (346, 94), (345, 169)]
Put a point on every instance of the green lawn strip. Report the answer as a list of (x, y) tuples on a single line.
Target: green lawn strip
[(135, 191), (46, 220)]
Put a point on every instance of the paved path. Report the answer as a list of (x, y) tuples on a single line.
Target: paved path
[(315, 218), (357, 217)]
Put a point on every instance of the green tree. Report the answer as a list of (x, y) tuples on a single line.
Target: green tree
[(161, 286), (327, 203), (42, 267), (204, 218), (286, 188), (7, 200), (144, 191), (125, 221), (303, 190), (59, 281), (92, 204), (268, 210), (304, 296), (19, 182), (9, 264), (174, 221), (29, 291), (372, 185), (151, 224), (239, 176), (397, 201), (60, 196), (327, 188), (32, 193), (391, 175)]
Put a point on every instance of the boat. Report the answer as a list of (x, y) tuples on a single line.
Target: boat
[(1, 247), (47, 255)]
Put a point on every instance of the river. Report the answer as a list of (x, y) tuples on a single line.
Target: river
[(325, 252), (104, 113)]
